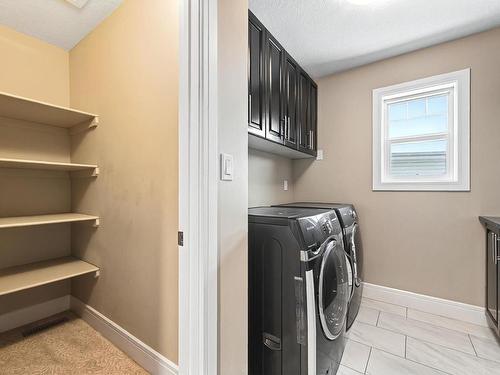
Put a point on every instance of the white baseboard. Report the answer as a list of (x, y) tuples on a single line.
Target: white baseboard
[(433, 305), (30, 314), (147, 357)]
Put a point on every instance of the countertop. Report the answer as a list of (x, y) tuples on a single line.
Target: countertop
[(490, 221)]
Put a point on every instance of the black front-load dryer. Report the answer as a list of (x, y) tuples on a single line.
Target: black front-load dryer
[(298, 291), (352, 243)]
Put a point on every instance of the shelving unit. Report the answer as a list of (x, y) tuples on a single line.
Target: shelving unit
[(15, 279), (28, 221), (16, 110), (19, 108), (47, 165)]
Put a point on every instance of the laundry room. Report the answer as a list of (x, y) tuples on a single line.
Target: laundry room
[(389, 132), (249, 187)]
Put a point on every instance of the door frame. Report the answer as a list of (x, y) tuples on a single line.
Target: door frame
[(198, 189)]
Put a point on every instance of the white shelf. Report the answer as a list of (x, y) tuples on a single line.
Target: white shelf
[(26, 221), (46, 165), (28, 276), (25, 109)]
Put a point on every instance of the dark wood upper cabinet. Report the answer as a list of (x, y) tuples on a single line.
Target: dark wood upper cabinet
[(304, 112), (275, 119), (290, 102), (282, 98), (313, 113), (256, 77)]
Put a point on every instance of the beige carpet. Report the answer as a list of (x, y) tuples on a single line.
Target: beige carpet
[(72, 347)]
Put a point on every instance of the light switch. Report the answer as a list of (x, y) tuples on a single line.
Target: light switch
[(227, 167), (285, 185)]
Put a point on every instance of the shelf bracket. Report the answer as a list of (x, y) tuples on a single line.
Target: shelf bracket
[(86, 173), (97, 222), (84, 126), (97, 274)]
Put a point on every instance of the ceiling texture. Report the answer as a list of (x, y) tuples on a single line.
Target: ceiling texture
[(328, 36), (59, 22)]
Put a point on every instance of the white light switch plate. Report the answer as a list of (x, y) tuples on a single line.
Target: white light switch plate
[(285, 185), (226, 167)]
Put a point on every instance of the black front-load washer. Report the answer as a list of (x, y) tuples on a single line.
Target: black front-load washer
[(298, 291), (352, 243)]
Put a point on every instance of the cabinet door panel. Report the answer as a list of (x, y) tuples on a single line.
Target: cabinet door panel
[(274, 91), (314, 118), (291, 86), (303, 112), (491, 272), (256, 34)]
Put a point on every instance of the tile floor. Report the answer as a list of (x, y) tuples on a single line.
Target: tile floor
[(388, 339)]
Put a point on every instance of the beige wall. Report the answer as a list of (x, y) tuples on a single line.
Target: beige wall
[(266, 173), (32, 68), (425, 242), (126, 71), (233, 195)]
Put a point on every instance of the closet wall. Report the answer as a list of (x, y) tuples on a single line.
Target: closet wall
[(40, 71), (127, 71)]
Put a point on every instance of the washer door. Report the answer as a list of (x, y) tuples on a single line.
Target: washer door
[(333, 291)]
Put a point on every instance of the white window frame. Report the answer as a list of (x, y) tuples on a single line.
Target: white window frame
[(457, 86)]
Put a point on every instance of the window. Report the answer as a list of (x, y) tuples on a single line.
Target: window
[(421, 134)]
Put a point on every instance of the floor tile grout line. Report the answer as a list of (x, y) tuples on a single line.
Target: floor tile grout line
[(409, 360), (430, 342), (350, 368), (378, 317), (442, 326), (406, 345), (368, 361), (372, 299), (432, 325), (414, 338), (455, 350), (426, 312), (473, 347)]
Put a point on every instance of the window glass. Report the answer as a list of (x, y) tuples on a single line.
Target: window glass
[(421, 134), (424, 158), (418, 117)]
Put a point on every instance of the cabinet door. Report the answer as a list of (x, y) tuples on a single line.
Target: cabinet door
[(313, 131), (290, 103), (303, 112), (256, 38), (491, 276), (275, 119)]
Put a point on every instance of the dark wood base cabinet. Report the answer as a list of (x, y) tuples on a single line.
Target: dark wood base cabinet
[(282, 98), (492, 225)]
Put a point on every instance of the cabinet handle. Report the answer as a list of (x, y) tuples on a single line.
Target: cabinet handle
[(492, 239), (250, 108), (287, 126), (311, 139), (495, 246)]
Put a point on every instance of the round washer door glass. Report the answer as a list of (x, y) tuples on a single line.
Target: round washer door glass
[(333, 291)]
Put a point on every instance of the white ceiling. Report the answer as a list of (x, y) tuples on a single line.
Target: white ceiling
[(55, 21), (327, 36)]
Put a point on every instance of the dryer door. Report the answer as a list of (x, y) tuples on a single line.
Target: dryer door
[(333, 290)]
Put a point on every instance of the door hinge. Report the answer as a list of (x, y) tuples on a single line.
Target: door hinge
[(180, 238)]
